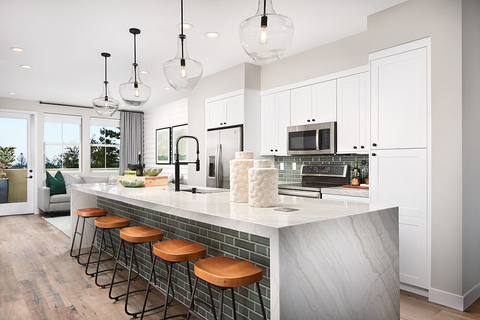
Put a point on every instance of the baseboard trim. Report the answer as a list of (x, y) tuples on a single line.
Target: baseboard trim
[(413, 289), (447, 299), (471, 296)]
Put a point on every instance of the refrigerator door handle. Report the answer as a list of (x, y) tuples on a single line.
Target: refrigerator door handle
[(219, 167)]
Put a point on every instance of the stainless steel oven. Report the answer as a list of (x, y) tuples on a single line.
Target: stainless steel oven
[(319, 138)]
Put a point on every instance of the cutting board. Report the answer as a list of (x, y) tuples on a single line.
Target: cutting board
[(356, 187), (149, 181)]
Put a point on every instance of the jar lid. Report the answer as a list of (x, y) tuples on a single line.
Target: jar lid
[(263, 163), (244, 155)]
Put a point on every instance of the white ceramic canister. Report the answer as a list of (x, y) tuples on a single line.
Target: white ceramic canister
[(263, 185), (239, 176)]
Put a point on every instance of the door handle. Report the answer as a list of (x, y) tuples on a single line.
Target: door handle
[(219, 167), (374, 144), (374, 154), (29, 177)]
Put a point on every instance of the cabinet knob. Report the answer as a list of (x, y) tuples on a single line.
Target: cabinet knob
[(313, 120), (362, 147), (374, 144), (354, 147), (374, 154), (271, 150), (221, 123), (224, 123), (308, 120), (276, 150)]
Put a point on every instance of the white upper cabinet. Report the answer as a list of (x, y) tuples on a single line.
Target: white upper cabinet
[(314, 104), (301, 105), (399, 103), (275, 120), (352, 114), (225, 112), (324, 101)]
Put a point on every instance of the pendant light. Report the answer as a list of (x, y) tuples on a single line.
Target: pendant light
[(182, 73), (134, 92), (105, 105), (267, 35)]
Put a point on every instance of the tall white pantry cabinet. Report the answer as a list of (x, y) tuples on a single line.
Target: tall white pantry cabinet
[(399, 167)]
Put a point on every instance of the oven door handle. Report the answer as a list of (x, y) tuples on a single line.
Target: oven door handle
[(299, 193)]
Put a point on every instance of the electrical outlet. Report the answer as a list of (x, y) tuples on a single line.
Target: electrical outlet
[(282, 166), (294, 166)]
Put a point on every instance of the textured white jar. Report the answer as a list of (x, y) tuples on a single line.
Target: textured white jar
[(239, 176), (263, 185)]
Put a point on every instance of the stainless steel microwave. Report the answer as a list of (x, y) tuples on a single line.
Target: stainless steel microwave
[(319, 138)]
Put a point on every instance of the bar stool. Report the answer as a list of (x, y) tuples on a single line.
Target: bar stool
[(226, 273), (84, 213), (104, 223), (173, 251), (134, 236)]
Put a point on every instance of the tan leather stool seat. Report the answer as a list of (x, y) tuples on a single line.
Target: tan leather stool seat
[(111, 222), (141, 234), (227, 272), (178, 250), (91, 212)]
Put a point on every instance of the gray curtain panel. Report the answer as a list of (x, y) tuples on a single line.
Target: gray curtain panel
[(131, 138)]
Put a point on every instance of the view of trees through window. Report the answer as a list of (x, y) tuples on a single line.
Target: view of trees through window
[(104, 144), (62, 142)]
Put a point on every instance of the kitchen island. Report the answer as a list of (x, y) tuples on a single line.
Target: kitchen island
[(327, 260)]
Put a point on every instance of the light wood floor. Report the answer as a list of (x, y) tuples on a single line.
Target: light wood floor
[(39, 280)]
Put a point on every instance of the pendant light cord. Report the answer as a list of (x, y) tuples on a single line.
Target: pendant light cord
[(106, 82), (182, 36), (135, 57), (264, 7)]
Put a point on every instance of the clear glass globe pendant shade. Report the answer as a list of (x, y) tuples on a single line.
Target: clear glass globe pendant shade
[(105, 105), (182, 72), (266, 36), (134, 92)]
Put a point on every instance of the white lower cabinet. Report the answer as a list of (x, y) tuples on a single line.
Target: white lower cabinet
[(399, 178), (275, 120)]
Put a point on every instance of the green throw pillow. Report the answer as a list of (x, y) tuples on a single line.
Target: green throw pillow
[(56, 184)]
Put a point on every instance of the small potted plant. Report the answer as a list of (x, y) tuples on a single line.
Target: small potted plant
[(7, 156)]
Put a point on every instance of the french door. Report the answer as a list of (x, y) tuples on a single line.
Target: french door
[(17, 189)]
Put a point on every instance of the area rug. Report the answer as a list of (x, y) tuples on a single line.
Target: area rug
[(62, 223)]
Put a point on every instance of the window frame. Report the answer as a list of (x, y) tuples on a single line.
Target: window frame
[(63, 144), (105, 169)]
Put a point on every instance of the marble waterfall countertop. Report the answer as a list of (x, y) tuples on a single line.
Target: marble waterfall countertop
[(351, 192), (218, 205)]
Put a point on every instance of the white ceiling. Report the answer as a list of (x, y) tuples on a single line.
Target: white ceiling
[(63, 40)]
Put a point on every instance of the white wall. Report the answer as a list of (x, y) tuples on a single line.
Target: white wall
[(167, 115), (39, 110), (471, 144)]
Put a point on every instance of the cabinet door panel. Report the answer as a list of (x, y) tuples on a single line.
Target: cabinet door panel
[(268, 125), (282, 121), (413, 256), (324, 101), (215, 114), (301, 104), (399, 100), (234, 110), (399, 178), (348, 114), (364, 112)]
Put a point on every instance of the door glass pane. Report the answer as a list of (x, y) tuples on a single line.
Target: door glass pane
[(13, 160)]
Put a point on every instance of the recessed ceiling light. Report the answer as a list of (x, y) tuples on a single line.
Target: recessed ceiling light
[(17, 49), (25, 66), (186, 26), (11, 93), (144, 72), (212, 34), (167, 88)]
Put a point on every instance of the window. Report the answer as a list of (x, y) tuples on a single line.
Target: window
[(62, 136), (104, 144)]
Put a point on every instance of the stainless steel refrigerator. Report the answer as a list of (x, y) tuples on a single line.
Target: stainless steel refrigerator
[(222, 143)]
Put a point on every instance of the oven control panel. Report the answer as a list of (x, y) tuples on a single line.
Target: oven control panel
[(328, 170)]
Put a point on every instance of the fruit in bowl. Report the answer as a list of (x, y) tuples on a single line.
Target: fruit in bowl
[(153, 172), (136, 183)]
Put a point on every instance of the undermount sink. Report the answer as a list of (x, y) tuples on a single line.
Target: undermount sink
[(203, 191)]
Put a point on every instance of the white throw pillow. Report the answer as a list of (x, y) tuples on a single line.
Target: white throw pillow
[(69, 180)]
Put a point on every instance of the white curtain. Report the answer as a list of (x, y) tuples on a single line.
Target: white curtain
[(131, 138)]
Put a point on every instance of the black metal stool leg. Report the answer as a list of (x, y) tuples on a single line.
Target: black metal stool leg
[(115, 270), (261, 301), (233, 305), (190, 307), (90, 253), (169, 282), (74, 236), (222, 291), (211, 300), (99, 255), (152, 271), (80, 247)]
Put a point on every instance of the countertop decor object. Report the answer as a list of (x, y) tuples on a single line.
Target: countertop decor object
[(148, 181), (135, 183), (263, 185), (267, 35), (153, 172), (182, 72), (105, 105), (134, 92), (239, 176)]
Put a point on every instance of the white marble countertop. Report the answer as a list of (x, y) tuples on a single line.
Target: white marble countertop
[(218, 205), (351, 192)]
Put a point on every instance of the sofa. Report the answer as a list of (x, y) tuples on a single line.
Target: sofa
[(61, 202)]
